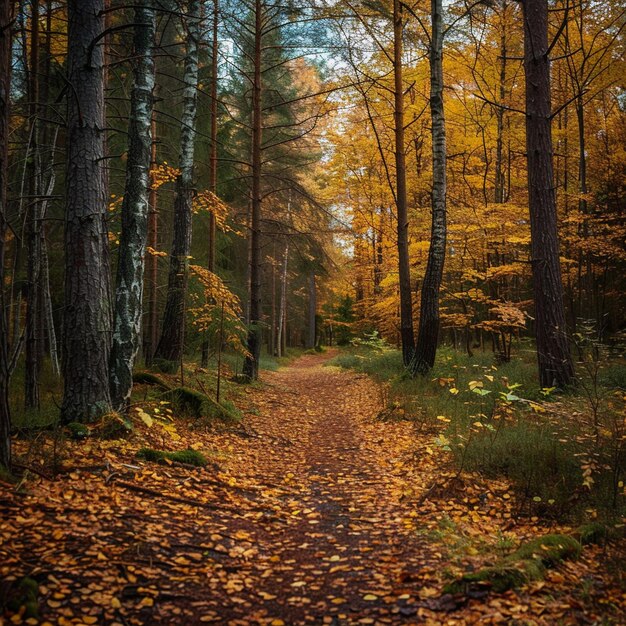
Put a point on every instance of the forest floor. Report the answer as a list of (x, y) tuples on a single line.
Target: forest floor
[(313, 511)]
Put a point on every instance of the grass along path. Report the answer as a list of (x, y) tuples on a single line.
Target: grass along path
[(312, 512)]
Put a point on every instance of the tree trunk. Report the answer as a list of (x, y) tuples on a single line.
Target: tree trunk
[(271, 345), (251, 363), (6, 18), (152, 261), (428, 333), (312, 331), (282, 315), (33, 298), (87, 314), (555, 363), (170, 346), (132, 250), (500, 183), (212, 158), (406, 304)]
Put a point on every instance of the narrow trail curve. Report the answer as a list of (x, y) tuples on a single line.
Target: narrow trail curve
[(346, 550)]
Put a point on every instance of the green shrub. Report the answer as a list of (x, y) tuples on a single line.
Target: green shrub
[(530, 455), (167, 367), (23, 596)]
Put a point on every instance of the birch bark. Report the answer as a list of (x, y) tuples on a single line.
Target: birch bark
[(135, 206)]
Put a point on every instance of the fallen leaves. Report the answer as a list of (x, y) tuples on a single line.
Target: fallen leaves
[(322, 516)]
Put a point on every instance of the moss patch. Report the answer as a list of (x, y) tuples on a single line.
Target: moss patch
[(148, 378), (195, 404), (529, 562), (189, 457), (78, 431)]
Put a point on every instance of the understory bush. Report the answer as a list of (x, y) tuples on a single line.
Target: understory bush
[(565, 453)]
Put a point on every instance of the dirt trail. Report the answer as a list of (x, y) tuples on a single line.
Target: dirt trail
[(312, 512), (345, 550)]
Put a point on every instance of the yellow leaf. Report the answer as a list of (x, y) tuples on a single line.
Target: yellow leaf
[(370, 597), (115, 603), (144, 417)]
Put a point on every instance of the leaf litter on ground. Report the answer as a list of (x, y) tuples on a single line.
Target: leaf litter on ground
[(311, 512)]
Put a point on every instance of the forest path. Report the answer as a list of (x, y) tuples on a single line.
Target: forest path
[(312, 512), (346, 544)]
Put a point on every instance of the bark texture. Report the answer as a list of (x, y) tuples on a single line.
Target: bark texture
[(171, 343), (406, 303), (312, 327), (151, 334), (251, 363), (6, 16), (135, 206), (87, 314), (212, 157), (555, 362), (282, 311), (34, 325), (428, 333)]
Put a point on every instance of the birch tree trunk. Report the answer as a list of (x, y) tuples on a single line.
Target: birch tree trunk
[(170, 346), (251, 363), (406, 304), (151, 331), (282, 314), (132, 251), (6, 18), (555, 363), (428, 334), (87, 313), (212, 158)]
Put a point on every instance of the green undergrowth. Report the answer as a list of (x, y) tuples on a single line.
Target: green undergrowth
[(565, 453), (267, 362), (530, 561), (195, 404)]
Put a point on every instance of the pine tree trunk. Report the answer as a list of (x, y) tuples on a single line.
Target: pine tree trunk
[(312, 331), (87, 313), (33, 298), (135, 207), (171, 346), (406, 304), (428, 333), (555, 363), (251, 363), (6, 18), (271, 345)]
